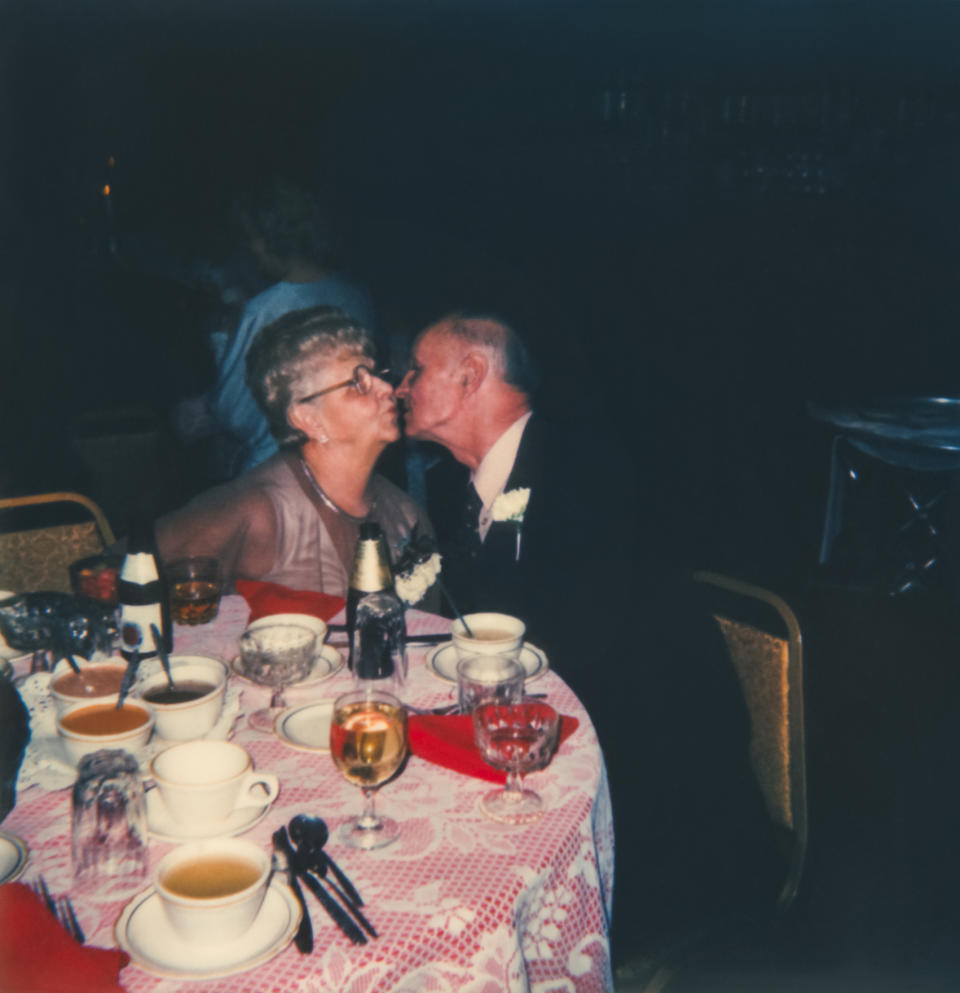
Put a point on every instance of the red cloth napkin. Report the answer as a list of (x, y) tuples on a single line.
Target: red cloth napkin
[(447, 740), (38, 956), (272, 598)]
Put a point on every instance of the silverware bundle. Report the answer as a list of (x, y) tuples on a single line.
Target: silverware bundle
[(309, 864), (61, 908)]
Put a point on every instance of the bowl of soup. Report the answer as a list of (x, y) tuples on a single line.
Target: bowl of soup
[(103, 725), (96, 682), (191, 706)]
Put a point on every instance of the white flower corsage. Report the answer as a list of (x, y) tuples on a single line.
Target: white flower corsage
[(511, 506), (412, 585)]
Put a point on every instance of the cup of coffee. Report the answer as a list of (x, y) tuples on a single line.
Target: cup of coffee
[(203, 782), (195, 586), (211, 891), (190, 707), (488, 679), (490, 634)]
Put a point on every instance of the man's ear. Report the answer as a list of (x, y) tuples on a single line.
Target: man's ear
[(472, 372)]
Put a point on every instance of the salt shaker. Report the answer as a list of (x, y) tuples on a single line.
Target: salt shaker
[(109, 822)]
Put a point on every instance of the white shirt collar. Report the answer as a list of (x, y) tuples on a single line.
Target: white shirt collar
[(493, 472)]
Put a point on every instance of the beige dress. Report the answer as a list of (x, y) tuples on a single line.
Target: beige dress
[(272, 524)]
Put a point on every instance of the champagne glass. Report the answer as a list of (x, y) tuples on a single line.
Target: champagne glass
[(276, 655), (368, 742), (518, 738)]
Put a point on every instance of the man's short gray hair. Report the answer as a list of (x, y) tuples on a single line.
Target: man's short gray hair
[(516, 365)]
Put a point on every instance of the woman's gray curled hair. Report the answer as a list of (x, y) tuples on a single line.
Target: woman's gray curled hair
[(280, 355)]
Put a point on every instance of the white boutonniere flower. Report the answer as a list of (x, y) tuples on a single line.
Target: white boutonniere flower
[(412, 585), (511, 505)]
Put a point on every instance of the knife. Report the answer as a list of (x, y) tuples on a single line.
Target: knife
[(351, 907), (340, 916), (428, 639), (303, 939), (412, 639)]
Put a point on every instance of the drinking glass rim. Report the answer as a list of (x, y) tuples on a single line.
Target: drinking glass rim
[(501, 677)]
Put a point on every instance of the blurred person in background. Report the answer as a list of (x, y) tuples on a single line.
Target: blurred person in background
[(291, 238)]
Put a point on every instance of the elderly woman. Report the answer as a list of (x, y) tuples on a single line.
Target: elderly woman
[(294, 519)]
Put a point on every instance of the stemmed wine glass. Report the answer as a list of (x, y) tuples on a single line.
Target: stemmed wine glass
[(368, 742), (276, 655), (518, 738)]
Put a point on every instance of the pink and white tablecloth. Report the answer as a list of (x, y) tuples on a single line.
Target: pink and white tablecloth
[(460, 902)]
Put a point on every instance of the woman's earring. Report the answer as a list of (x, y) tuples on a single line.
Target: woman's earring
[(322, 438)]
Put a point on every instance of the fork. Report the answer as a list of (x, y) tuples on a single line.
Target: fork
[(61, 908)]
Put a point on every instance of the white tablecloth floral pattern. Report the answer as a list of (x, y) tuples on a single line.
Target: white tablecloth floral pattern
[(460, 902)]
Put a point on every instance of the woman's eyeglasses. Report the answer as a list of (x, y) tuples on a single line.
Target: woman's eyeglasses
[(361, 380)]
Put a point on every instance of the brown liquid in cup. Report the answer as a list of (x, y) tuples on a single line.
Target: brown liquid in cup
[(185, 691), (211, 876), (104, 719), (99, 681), (492, 634)]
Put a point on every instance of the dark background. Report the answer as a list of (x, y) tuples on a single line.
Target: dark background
[(703, 215)]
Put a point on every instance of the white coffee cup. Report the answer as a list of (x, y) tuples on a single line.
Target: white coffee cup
[(211, 891), (203, 782), (494, 634), (192, 718)]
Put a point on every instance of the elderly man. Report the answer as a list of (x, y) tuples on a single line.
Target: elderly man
[(533, 519), (540, 524)]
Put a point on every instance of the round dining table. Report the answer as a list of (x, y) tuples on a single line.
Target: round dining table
[(460, 902)]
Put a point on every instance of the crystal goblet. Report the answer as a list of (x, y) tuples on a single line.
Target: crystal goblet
[(276, 655), (518, 738)]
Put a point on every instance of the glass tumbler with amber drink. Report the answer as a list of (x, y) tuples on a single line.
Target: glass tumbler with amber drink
[(195, 588), (368, 742)]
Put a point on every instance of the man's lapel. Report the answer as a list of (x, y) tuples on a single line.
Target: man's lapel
[(500, 544)]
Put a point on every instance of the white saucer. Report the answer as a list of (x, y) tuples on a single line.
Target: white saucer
[(164, 828), (442, 661), (306, 727), (13, 857), (327, 662), (145, 934)]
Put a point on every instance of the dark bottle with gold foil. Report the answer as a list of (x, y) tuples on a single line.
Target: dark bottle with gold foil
[(375, 617)]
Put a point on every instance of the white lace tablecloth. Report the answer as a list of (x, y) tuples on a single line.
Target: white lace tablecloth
[(460, 902)]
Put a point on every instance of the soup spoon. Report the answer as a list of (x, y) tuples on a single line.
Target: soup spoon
[(310, 834), (303, 939)]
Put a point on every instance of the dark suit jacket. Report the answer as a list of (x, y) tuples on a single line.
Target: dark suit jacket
[(631, 637), (577, 554)]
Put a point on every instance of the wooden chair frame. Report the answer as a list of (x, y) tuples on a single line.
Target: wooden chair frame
[(57, 538), (63, 496), (797, 829)]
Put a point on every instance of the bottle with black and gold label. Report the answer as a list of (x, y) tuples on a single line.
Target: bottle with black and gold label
[(142, 596)]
